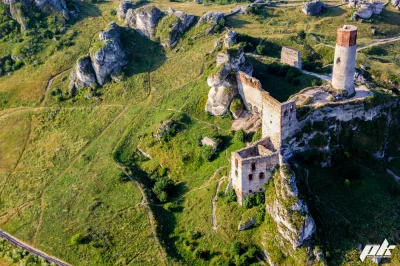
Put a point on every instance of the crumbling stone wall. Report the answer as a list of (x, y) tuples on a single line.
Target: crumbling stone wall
[(291, 57), (251, 91)]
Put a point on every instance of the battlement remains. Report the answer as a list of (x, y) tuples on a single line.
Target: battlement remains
[(250, 89), (291, 56)]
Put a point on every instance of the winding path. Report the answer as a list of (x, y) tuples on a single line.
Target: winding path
[(379, 42), (20, 244), (214, 204)]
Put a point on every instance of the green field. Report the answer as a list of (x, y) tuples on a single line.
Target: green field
[(64, 160)]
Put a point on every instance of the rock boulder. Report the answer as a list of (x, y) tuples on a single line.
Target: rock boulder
[(211, 18), (230, 38), (144, 20), (107, 56), (313, 8), (175, 23), (82, 74), (123, 8)]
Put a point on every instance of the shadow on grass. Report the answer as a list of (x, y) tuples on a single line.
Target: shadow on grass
[(144, 55)]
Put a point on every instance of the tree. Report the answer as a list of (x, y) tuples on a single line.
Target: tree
[(301, 34), (261, 49)]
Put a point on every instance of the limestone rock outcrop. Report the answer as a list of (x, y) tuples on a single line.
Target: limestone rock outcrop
[(108, 57), (223, 82), (144, 20), (313, 8), (366, 10), (175, 23), (123, 8), (16, 6), (230, 38), (290, 213), (211, 18), (83, 74)]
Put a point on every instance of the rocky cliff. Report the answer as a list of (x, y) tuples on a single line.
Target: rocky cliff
[(82, 75), (144, 20), (290, 213), (172, 25), (223, 82)]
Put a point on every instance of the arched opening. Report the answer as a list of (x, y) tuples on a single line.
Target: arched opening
[(261, 175)]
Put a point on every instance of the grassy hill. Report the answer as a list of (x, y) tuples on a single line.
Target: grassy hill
[(65, 161)]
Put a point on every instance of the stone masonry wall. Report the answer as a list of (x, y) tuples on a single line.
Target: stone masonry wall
[(291, 57), (250, 90), (271, 120)]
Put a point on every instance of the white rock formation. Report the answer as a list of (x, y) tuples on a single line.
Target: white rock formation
[(110, 57), (179, 25), (313, 8), (291, 215), (230, 38), (211, 18), (82, 74), (123, 8), (144, 20)]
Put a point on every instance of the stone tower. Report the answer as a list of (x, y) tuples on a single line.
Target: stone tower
[(345, 60)]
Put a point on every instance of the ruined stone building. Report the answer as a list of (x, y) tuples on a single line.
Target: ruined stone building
[(344, 64), (291, 56), (252, 167)]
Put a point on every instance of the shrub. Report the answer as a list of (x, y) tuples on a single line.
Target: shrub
[(162, 187), (257, 136), (239, 136), (247, 47), (236, 104), (113, 12), (301, 34), (316, 82), (253, 200), (207, 153), (261, 49), (77, 239), (236, 248), (231, 195)]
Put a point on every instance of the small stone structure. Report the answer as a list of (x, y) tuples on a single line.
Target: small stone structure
[(344, 64), (252, 168), (291, 56)]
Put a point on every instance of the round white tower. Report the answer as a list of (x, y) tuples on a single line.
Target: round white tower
[(344, 64)]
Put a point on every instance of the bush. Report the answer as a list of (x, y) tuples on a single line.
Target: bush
[(231, 195), (113, 12), (77, 239), (261, 49), (207, 153), (239, 136), (301, 34), (162, 188), (236, 248), (257, 136), (236, 104), (247, 47), (253, 200), (316, 82)]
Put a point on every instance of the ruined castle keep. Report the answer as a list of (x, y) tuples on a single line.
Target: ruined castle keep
[(345, 60), (252, 167), (291, 56)]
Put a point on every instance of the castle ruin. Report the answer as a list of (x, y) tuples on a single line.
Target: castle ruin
[(291, 56), (344, 64), (252, 167)]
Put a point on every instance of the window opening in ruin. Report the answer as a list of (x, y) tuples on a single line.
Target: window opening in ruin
[(260, 189), (250, 177), (236, 163), (253, 166), (261, 175), (236, 173), (250, 191), (285, 113), (338, 60)]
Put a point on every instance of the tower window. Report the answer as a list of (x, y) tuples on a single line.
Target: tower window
[(338, 60), (250, 191), (261, 175), (253, 166), (236, 163), (250, 177), (236, 173)]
